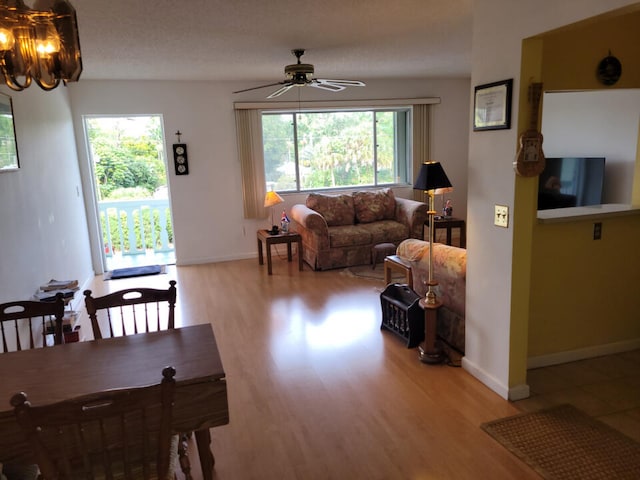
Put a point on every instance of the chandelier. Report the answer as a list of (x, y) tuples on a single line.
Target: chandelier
[(39, 43)]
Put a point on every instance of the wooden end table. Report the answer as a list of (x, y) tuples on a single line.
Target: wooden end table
[(265, 237), (394, 262), (449, 223)]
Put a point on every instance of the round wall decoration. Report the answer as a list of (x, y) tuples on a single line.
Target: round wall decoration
[(609, 70)]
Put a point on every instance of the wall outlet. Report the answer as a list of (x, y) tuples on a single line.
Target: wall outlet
[(501, 216), (597, 230)]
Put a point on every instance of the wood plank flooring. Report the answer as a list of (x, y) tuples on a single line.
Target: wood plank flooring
[(318, 391)]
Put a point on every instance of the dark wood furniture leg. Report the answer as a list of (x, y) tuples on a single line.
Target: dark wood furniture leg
[(207, 460), (185, 463), (269, 269), (300, 261), (289, 255), (260, 257)]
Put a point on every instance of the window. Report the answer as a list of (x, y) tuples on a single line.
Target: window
[(313, 150)]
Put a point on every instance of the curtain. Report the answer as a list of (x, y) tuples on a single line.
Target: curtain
[(251, 155), (421, 148)]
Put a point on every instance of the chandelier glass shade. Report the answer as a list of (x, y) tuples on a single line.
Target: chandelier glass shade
[(39, 44)]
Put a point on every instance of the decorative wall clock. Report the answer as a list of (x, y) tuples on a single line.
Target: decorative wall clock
[(180, 160), (609, 70)]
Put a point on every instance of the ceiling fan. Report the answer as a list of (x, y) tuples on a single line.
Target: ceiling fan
[(300, 75)]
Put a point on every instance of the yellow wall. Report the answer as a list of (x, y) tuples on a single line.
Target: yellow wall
[(572, 54), (582, 293)]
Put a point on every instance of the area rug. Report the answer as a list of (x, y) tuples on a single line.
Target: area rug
[(134, 272), (365, 271), (564, 443)]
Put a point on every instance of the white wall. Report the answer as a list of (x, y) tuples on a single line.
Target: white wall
[(499, 27), (207, 204), (596, 124), (43, 230)]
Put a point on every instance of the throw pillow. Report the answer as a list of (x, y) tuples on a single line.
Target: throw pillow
[(371, 206), (336, 209)]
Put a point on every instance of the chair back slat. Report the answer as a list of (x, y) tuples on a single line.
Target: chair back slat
[(116, 434), (128, 311), (27, 323)]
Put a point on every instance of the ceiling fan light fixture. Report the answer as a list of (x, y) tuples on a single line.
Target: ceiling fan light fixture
[(302, 74)]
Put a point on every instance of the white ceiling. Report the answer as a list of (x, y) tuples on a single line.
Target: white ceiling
[(251, 40)]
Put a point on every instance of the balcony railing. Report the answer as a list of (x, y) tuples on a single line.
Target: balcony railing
[(136, 227)]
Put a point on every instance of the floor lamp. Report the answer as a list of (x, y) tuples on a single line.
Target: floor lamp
[(430, 178)]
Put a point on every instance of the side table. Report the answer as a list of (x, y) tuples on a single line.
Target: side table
[(394, 262), (449, 223), (265, 237)]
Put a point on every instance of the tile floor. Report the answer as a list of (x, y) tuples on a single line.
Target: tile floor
[(607, 388)]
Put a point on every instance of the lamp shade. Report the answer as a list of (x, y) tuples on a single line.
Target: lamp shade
[(443, 190), (431, 176), (272, 198)]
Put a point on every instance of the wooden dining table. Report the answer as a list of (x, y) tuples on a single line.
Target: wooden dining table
[(57, 373)]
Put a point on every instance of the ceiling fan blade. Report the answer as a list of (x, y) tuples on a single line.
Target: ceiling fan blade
[(262, 86), (343, 83), (281, 90), (327, 86)]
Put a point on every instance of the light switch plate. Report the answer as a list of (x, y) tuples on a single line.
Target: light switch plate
[(501, 216)]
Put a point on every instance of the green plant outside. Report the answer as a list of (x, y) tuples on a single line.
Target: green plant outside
[(118, 223)]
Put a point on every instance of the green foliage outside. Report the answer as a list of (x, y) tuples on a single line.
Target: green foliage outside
[(125, 158), (117, 222), (128, 158), (335, 149), (8, 150)]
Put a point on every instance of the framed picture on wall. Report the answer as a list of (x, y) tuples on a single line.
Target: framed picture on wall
[(8, 145), (492, 106)]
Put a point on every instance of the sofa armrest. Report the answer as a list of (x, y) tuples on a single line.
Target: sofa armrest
[(309, 219), (413, 214)]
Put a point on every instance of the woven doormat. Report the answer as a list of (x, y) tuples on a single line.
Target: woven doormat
[(564, 443), (134, 272)]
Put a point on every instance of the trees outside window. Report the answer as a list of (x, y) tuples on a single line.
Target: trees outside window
[(335, 149), (128, 156)]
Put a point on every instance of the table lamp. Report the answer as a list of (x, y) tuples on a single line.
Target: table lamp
[(430, 178), (271, 199)]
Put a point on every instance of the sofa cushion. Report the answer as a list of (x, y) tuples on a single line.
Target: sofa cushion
[(336, 209), (387, 231), (349, 236), (371, 206)]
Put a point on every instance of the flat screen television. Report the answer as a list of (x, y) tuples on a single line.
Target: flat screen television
[(571, 182)]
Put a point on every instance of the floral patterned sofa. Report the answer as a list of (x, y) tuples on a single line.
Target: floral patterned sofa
[(450, 271), (340, 230)]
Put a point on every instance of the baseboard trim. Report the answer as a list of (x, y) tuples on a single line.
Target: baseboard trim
[(485, 378), (519, 392), (582, 353)]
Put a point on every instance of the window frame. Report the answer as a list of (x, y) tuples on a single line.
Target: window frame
[(402, 167)]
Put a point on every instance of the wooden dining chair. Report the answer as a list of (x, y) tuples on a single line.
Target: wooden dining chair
[(133, 310), (123, 433), (137, 310), (24, 324)]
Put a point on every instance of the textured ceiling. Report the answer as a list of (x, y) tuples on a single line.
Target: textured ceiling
[(251, 40)]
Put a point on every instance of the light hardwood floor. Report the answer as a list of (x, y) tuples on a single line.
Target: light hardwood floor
[(317, 391)]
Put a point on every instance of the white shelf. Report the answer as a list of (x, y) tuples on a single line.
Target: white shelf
[(592, 212)]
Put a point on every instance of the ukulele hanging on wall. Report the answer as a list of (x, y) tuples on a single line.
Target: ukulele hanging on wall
[(530, 158)]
